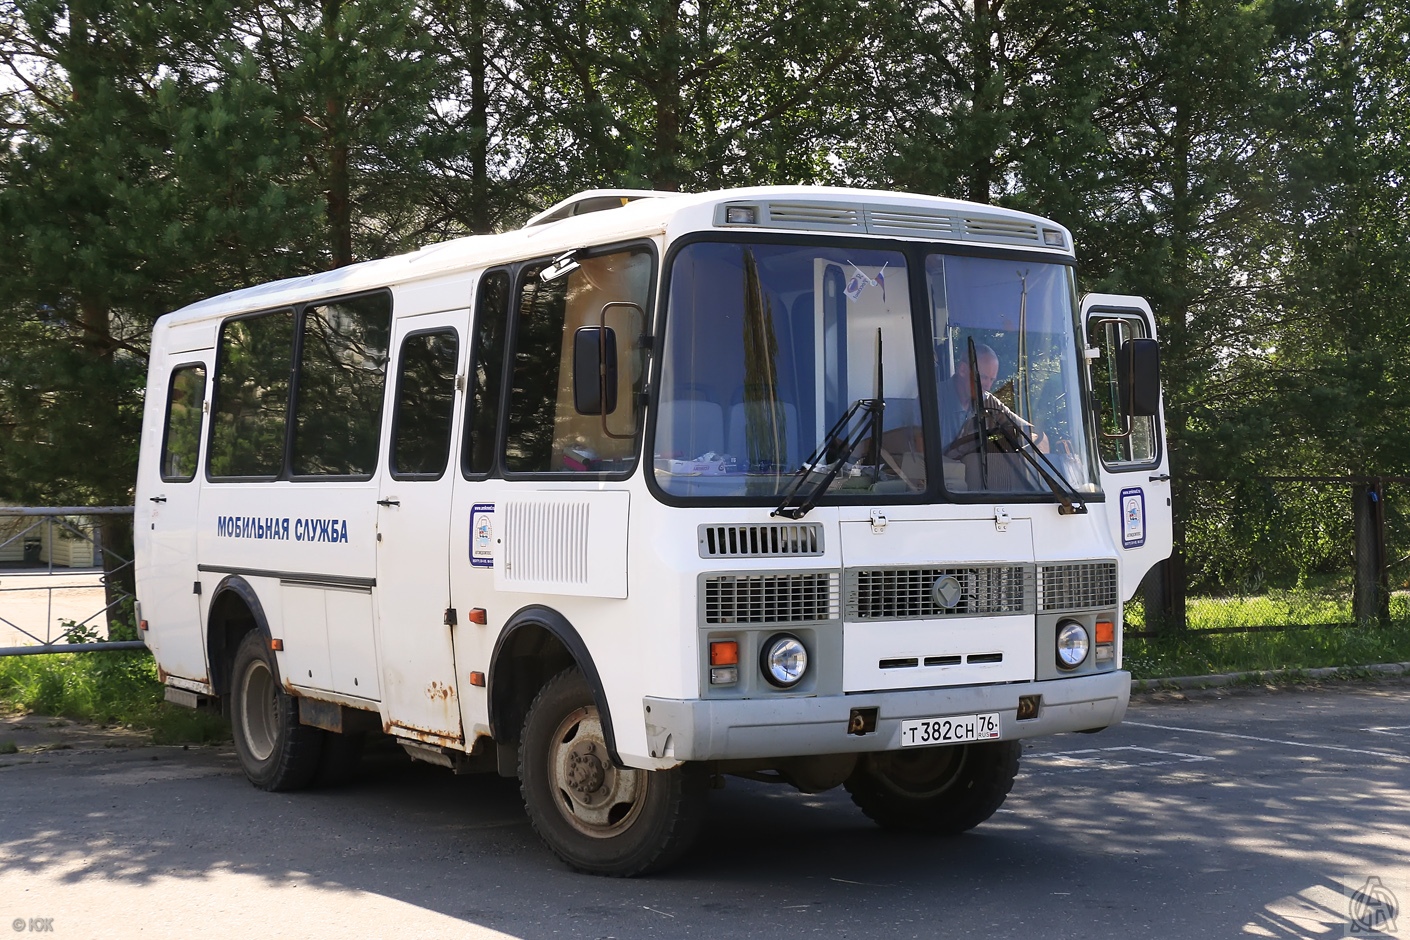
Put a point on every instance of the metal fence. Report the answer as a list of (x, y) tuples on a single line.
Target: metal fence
[(61, 588), (1281, 553)]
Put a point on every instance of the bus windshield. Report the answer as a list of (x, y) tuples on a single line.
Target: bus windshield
[(769, 347)]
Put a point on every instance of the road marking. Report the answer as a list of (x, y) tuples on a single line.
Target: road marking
[(1388, 755), (1395, 731), (1109, 758)]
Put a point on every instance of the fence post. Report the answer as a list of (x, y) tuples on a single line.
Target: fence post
[(1371, 595), (1163, 591)]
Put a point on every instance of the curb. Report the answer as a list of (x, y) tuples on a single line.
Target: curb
[(1184, 683)]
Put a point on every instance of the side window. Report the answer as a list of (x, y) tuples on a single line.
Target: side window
[(248, 419), (338, 411), (544, 432), (421, 424), (486, 373), (181, 439), (1123, 442)]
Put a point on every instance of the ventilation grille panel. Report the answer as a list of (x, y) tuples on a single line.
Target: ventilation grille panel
[(1080, 586), (771, 598), (837, 216), (891, 220), (910, 593), (999, 229), (760, 541), (546, 542)]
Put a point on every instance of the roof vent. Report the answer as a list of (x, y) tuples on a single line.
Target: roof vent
[(593, 200)]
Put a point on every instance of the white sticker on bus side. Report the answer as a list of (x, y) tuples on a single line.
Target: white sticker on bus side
[(482, 535)]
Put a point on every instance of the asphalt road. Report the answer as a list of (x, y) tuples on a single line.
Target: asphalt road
[(1243, 815)]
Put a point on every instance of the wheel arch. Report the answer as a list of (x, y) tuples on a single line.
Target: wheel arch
[(535, 645), (235, 611)]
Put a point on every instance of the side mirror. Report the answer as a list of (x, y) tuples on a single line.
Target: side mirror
[(1138, 375), (595, 370)]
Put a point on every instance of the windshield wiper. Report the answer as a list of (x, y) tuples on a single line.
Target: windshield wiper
[(1071, 501), (836, 437)]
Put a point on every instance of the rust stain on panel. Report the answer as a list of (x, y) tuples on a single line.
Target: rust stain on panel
[(403, 729), (438, 691)]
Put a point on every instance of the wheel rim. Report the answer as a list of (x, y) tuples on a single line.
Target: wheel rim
[(922, 773), (596, 798), (259, 710)]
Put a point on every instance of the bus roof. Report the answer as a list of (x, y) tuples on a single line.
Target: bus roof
[(605, 216)]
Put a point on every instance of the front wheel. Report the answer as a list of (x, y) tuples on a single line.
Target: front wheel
[(275, 750), (597, 817), (940, 790)]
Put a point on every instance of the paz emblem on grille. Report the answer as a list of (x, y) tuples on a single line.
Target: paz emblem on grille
[(946, 591)]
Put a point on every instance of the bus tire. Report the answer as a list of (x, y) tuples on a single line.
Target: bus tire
[(601, 819), (275, 750), (935, 790)]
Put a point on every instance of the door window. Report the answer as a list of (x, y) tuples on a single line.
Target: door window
[(1124, 442), (421, 423), (544, 432), (181, 439)]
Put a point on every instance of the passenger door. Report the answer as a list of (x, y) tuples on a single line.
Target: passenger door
[(168, 494), (1135, 463), (416, 643)]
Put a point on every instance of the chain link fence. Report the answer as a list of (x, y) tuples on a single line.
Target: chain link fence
[(1281, 553)]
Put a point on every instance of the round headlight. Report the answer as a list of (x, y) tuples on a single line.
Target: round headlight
[(783, 660), (1072, 644)]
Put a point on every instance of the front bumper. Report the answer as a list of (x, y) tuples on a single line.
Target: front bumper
[(727, 729)]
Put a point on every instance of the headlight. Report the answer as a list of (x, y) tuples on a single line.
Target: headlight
[(1072, 644), (783, 660)]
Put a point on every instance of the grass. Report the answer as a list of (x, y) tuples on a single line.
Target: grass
[(119, 687), (1197, 653)]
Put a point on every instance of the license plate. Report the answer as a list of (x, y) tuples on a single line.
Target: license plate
[(956, 729)]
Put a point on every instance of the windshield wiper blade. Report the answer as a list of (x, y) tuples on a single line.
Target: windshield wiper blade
[(836, 436), (1071, 501)]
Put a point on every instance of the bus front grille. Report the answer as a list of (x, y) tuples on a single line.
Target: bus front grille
[(793, 597), (920, 593), (1079, 586)]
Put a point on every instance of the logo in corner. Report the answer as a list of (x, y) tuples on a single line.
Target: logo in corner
[(1372, 909)]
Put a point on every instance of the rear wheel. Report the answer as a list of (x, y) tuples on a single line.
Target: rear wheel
[(275, 750), (941, 790), (597, 817)]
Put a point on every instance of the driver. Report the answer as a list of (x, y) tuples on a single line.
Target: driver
[(959, 431)]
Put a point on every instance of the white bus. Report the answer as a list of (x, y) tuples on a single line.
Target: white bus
[(657, 489)]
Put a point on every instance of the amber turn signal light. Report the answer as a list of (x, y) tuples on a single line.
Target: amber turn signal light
[(1106, 631), (724, 653)]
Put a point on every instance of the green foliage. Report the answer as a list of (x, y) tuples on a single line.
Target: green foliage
[(119, 687), (1195, 653)]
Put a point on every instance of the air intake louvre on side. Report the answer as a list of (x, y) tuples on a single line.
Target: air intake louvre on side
[(760, 541), (1079, 586), (546, 542), (909, 593), (771, 598)]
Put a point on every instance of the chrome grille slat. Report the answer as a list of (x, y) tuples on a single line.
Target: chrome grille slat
[(794, 597), (905, 593), (1078, 586), (760, 541)]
